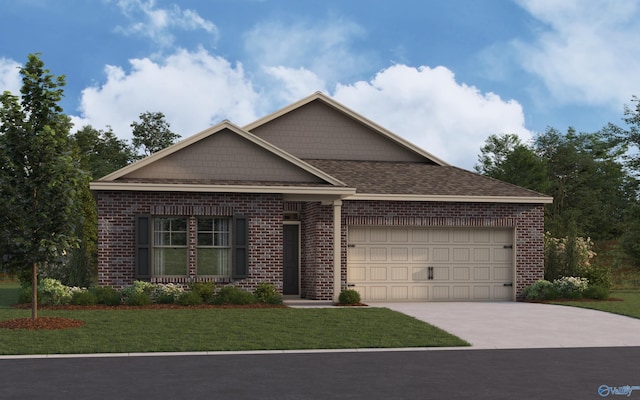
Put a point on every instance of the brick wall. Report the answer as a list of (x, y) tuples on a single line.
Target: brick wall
[(316, 251), (527, 220), (117, 210), (116, 235)]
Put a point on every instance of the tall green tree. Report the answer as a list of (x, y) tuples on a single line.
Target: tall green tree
[(588, 181), (102, 152), (152, 133), (40, 178), (506, 158)]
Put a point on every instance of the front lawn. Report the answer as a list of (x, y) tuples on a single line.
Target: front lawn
[(629, 306), (166, 330)]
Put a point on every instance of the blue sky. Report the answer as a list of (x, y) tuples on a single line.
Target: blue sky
[(442, 74)]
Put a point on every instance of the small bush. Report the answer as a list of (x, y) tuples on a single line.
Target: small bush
[(571, 287), (24, 295), (138, 299), (107, 295), (52, 292), (233, 295), (166, 293), (189, 299), (349, 296), (83, 298), (597, 292), (206, 290), (266, 293), (541, 290)]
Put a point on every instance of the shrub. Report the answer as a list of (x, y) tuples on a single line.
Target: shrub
[(138, 299), (597, 292), (189, 299), (541, 290), (107, 295), (266, 293), (53, 292), (571, 287), (567, 256), (83, 298), (206, 290), (233, 295), (349, 296), (24, 295), (166, 293)]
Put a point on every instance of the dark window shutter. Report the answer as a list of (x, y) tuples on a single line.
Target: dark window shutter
[(240, 247), (143, 247)]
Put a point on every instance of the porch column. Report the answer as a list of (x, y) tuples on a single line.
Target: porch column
[(337, 249)]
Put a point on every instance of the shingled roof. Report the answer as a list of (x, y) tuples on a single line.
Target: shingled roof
[(408, 178)]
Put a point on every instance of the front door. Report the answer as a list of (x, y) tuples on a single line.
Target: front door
[(291, 267)]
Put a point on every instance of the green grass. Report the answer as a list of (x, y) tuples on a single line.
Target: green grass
[(629, 306), (165, 330)]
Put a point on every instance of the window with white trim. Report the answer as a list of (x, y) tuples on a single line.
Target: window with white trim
[(170, 246), (213, 247)]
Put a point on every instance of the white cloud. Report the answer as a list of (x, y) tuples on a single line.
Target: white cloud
[(429, 108), (324, 47), (586, 52), (155, 23), (298, 82), (10, 79), (193, 89)]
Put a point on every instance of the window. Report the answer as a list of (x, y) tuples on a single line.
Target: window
[(213, 247), (170, 246)]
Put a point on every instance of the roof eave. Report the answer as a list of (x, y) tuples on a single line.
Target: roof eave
[(451, 198), (202, 188)]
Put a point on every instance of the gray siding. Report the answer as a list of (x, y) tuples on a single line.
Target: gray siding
[(317, 131), (224, 156)]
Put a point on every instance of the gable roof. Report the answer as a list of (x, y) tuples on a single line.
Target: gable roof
[(222, 158), (324, 136), (302, 156)]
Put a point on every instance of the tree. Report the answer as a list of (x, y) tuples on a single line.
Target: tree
[(152, 133), (101, 152), (40, 178), (506, 158), (588, 182)]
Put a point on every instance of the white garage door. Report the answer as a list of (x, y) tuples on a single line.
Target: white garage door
[(435, 264)]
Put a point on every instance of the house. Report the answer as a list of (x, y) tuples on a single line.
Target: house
[(315, 198)]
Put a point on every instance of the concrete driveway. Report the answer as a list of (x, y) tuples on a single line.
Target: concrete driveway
[(525, 325)]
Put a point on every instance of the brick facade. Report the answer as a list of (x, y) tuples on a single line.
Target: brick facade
[(116, 236), (527, 220)]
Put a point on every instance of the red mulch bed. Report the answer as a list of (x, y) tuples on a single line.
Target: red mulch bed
[(41, 323)]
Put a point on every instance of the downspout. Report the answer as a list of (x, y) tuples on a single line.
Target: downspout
[(337, 249)]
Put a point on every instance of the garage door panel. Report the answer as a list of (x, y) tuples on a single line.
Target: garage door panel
[(399, 254), (430, 264), (420, 292), (482, 273), (461, 292), (399, 273), (419, 254), (378, 254), (441, 293), (501, 273), (420, 274), (378, 293), (461, 273), (378, 273), (461, 254), (481, 255), (441, 254), (400, 293), (357, 254)]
